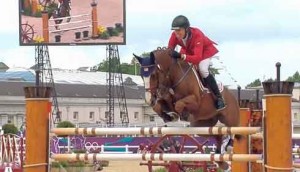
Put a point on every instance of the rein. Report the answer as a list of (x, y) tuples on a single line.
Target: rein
[(182, 78)]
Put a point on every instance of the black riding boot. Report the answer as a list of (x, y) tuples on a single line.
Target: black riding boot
[(212, 85)]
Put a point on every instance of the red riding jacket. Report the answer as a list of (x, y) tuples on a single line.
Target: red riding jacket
[(198, 46)]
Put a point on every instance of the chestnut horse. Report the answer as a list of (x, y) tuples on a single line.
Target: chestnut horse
[(174, 90), (63, 10)]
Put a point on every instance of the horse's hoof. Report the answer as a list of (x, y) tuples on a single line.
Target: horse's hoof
[(229, 149), (226, 143), (174, 116), (228, 169)]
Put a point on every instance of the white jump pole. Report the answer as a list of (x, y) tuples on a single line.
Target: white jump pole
[(158, 157), (157, 131)]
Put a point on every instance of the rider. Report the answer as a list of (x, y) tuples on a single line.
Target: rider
[(197, 49)]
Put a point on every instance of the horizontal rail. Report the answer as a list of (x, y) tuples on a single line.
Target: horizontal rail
[(61, 18), (73, 22), (71, 28), (157, 131), (159, 157)]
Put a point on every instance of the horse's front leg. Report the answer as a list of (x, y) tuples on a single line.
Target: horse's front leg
[(164, 111), (189, 102)]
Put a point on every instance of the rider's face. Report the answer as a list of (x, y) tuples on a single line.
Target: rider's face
[(180, 33)]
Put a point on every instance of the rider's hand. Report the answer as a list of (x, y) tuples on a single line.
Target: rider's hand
[(175, 55)]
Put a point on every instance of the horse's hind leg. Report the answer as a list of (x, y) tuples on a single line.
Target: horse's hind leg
[(222, 164), (218, 138)]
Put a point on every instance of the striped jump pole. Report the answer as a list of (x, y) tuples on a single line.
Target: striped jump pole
[(157, 157), (156, 131), (37, 131), (278, 126)]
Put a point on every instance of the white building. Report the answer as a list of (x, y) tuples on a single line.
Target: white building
[(82, 98)]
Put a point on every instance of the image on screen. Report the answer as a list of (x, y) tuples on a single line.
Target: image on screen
[(72, 22)]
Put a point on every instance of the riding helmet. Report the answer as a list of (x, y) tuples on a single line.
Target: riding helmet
[(180, 22)]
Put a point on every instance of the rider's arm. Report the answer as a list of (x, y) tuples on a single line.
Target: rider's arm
[(172, 41)]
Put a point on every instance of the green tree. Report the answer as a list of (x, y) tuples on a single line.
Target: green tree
[(131, 68), (255, 83), (270, 80), (294, 78), (9, 129)]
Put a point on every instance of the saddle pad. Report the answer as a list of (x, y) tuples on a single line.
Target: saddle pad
[(202, 87)]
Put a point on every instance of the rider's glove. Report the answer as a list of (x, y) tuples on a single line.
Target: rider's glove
[(175, 55)]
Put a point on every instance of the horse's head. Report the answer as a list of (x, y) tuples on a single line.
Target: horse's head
[(154, 71), (147, 71)]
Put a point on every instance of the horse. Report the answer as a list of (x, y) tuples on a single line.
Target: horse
[(63, 10), (174, 90)]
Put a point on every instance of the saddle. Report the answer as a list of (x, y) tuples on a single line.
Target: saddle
[(201, 81)]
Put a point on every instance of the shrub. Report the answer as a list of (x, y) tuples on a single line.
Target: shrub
[(9, 129), (114, 32), (59, 164), (104, 35), (160, 170), (65, 124)]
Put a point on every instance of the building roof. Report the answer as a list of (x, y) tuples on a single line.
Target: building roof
[(16, 88), (17, 75), (89, 78), (3, 66)]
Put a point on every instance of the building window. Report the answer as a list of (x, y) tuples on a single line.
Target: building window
[(10, 119), (92, 115), (136, 116), (122, 114), (75, 115), (3, 119), (106, 114), (152, 118), (59, 113), (296, 117)]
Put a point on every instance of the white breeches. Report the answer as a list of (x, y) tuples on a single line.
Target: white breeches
[(203, 67)]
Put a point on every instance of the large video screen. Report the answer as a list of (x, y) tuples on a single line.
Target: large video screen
[(72, 22)]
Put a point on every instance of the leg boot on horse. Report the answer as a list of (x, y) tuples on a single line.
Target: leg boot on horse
[(212, 85)]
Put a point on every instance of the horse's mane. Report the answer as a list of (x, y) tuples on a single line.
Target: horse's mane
[(161, 51)]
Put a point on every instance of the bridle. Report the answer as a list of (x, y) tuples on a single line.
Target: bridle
[(165, 86)]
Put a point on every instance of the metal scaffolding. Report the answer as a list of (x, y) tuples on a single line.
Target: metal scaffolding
[(115, 87)]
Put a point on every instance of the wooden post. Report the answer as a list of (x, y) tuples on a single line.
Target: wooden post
[(34, 7), (94, 20), (278, 127), (37, 129), (26, 4), (242, 146), (256, 143), (45, 26)]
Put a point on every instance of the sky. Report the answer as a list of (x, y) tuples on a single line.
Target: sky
[(252, 36)]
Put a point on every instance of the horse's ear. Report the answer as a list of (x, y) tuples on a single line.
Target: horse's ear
[(152, 57), (138, 58)]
